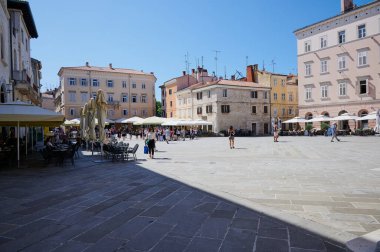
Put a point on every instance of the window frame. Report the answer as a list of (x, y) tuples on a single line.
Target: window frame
[(110, 84), (324, 91), (324, 66), (362, 31), (225, 93), (254, 94), (254, 109), (225, 109), (307, 46), (363, 84), (342, 86), (308, 93), (342, 37), (362, 58), (323, 41)]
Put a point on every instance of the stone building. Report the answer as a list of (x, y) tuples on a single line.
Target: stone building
[(128, 92), (338, 64), (244, 105)]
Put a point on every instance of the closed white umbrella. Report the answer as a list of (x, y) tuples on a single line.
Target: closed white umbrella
[(83, 122), (101, 107), (75, 121), (91, 109)]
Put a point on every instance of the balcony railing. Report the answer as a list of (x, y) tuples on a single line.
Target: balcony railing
[(21, 76)]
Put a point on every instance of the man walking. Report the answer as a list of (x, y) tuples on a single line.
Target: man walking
[(333, 132)]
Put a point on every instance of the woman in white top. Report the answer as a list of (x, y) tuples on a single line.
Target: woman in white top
[(150, 138)]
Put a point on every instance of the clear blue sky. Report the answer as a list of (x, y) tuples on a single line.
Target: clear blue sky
[(155, 35)]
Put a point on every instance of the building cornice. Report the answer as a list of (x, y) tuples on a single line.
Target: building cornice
[(360, 13), (334, 104)]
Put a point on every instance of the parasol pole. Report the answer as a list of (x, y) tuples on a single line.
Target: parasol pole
[(18, 144), (26, 140)]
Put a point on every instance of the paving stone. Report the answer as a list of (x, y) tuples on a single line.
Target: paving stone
[(188, 226), (247, 214), (301, 240), (72, 246), (355, 211), (149, 237), (275, 233), (270, 245), (245, 223), (226, 214), (131, 228), (96, 233), (268, 223), (215, 228), (171, 243), (238, 240), (155, 211), (203, 244), (106, 244), (30, 236), (205, 207)]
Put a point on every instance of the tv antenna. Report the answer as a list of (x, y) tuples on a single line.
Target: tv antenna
[(187, 63), (273, 63), (216, 62)]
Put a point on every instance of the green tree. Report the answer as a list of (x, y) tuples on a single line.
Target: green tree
[(158, 109)]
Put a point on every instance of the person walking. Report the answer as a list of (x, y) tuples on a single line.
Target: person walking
[(231, 137), (333, 132), (275, 133), (150, 139)]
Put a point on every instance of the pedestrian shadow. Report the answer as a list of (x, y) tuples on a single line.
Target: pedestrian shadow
[(241, 148)]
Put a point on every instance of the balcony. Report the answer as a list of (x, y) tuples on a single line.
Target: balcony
[(114, 104), (21, 76), (29, 91)]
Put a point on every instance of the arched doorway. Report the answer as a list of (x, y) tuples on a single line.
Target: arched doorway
[(364, 123), (343, 125), (2, 94)]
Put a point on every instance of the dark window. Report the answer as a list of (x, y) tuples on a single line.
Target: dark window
[(253, 109), (225, 108), (254, 94), (209, 109), (199, 96), (265, 109), (363, 86), (199, 110)]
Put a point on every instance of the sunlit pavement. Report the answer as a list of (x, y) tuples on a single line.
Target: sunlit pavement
[(301, 193)]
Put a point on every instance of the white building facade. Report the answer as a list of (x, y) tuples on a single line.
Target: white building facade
[(339, 64)]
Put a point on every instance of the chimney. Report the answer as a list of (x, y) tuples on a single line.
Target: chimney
[(255, 67), (183, 73), (232, 77), (250, 73), (346, 5), (110, 65), (87, 65)]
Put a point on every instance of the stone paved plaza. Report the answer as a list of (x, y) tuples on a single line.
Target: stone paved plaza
[(301, 194)]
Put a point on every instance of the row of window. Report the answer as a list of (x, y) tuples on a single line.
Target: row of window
[(283, 96), (342, 89), (254, 94), (362, 60), (226, 109), (341, 37), (275, 82), (111, 112), (96, 83), (110, 97)]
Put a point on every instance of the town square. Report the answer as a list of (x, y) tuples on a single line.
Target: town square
[(190, 126)]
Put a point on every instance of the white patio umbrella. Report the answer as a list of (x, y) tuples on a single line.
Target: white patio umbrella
[(154, 120), (320, 118), (295, 120), (75, 121), (345, 117), (133, 119), (101, 108), (170, 123), (23, 114), (370, 116), (68, 123), (200, 122), (120, 120)]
